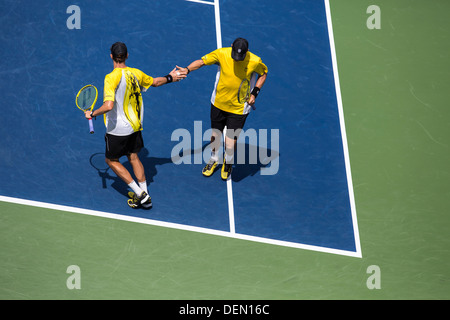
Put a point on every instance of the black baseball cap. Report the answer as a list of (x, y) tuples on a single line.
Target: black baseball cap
[(119, 50), (239, 49)]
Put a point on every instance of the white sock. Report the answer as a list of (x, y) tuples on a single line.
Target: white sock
[(214, 156), (228, 158), (143, 186), (133, 185)]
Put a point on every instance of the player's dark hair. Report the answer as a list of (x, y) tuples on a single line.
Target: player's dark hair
[(119, 52)]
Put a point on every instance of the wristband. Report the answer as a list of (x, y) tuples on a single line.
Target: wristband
[(169, 78), (188, 70), (255, 91), (92, 114)]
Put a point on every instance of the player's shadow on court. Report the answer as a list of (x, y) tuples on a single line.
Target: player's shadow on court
[(97, 161), (249, 160)]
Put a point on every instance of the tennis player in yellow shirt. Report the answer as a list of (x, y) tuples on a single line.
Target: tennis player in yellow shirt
[(123, 111), (236, 64)]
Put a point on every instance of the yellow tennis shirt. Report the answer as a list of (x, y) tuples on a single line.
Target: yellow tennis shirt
[(124, 86), (229, 77)]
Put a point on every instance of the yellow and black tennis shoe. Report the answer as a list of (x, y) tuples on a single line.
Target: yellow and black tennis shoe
[(144, 200), (209, 169), (226, 170)]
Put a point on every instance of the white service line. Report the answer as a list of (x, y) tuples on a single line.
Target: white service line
[(203, 2), (219, 45), (229, 194), (230, 206), (218, 28), (217, 17), (229, 184)]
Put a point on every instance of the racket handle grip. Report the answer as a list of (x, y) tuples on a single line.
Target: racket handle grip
[(91, 126)]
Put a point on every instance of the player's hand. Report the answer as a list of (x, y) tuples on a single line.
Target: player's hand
[(182, 70), (87, 114), (251, 100), (177, 74)]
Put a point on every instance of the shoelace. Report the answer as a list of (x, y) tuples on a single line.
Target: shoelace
[(210, 164)]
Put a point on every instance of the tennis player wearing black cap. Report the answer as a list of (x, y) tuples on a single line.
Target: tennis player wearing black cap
[(123, 111), (236, 63)]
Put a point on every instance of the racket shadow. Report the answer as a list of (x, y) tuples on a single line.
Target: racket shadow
[(97, 161)]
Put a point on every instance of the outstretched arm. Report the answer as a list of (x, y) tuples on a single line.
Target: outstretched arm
[(197, 64)]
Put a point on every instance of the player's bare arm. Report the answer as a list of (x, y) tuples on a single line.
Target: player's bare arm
[(195, 65), (106, 107), (259, 84)]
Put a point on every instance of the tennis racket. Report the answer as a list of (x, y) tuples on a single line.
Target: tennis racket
[(85, 100), (244, 92)]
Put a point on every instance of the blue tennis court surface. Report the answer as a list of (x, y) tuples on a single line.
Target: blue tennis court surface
[(45, 145)]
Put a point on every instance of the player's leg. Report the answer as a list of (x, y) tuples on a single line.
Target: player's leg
[(138, 170), (217, 125), (119, 170), (135, 144), (227, 167), (235, 124), (116, 147)]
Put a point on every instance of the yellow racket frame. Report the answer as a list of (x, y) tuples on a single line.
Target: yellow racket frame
[(95, 100)]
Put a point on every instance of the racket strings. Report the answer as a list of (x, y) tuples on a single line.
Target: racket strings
[(86, 98), (244, 91)]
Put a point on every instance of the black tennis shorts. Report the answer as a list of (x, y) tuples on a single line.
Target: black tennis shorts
[(118, 146), (220, 119)]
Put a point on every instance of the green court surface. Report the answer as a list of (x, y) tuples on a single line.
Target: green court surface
[(395, 85)]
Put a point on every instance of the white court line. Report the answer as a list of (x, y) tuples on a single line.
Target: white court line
[(343, 131), (158, 223), (230, 206), (218, 28), (203, 2), (217, 17), (229, 194), (229, 183)]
